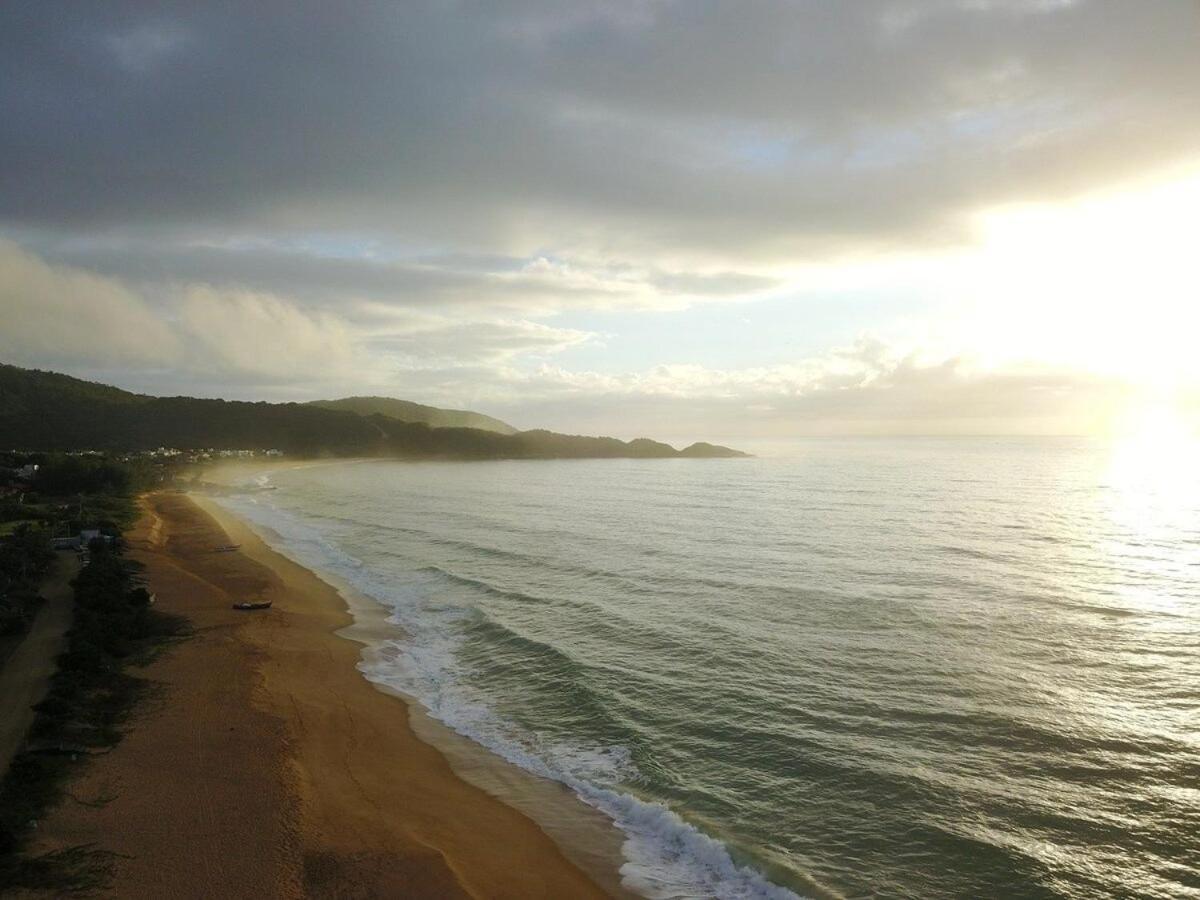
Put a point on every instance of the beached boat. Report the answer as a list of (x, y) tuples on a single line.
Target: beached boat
[(227, 548), (253, 604)]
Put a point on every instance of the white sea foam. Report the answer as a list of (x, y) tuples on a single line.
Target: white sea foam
[(666, 857)]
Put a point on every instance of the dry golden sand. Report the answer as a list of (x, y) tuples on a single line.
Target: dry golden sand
[(266, 766)]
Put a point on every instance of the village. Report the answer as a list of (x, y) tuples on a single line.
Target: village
[(72, 495)]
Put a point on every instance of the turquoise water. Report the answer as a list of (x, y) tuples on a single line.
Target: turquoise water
[(922, 668)]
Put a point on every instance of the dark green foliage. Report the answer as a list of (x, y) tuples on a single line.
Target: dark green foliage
[(407, 411), (90, 696), (53, 412), (705, 450), (71, 493), (25, 556), (63, 475), (18, 606), (77, 870), (47, 411)]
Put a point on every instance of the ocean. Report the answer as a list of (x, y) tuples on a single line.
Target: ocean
[(871, 668)]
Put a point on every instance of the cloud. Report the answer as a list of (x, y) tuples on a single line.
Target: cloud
[(61, 316), (243, 332), (401, 197), (318, 278), (712, 284), (208, 338), (146, 46), (640, 132), (471, 343), (526, 285), (866, 388), (69, 317)]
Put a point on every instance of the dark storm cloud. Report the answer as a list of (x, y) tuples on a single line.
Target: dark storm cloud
[(768, 129)]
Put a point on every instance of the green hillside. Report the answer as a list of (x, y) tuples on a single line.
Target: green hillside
[(52, 412), (407, 411)]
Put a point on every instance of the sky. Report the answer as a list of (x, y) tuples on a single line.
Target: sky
[(756, 220)]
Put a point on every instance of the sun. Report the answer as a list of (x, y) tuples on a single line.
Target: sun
[(1153, 440), (1155, 423), (1152, 468), (1105, 284)]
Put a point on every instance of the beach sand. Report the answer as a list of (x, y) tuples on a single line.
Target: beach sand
[(266, 765)]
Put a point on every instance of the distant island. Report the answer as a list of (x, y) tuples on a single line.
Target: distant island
[(53, 412)]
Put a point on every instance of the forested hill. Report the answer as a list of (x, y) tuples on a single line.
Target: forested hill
[(407, 411), (47, 411)]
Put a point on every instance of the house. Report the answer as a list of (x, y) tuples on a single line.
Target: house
[(87, 535), (81, 540)]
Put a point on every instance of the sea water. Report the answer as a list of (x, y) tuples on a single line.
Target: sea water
[(904, 668)]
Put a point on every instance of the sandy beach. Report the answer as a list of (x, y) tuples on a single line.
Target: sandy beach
[(267, 766)]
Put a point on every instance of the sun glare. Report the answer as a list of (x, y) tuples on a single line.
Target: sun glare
[(1152, 469), (1107, 284), (1155, 424), (1153, 440)]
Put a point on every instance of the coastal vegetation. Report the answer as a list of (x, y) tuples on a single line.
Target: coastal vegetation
[(25, 556), (62, 496), (113, 627), (90, 696), (48, 411), (67, 493), (407, 411)]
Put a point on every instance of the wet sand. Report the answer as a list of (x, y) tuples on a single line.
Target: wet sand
[(267, 766)]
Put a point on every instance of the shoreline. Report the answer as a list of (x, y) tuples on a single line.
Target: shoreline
[(585, 836), (626, 843), (268, 765)]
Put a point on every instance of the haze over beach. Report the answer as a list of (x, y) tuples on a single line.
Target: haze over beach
[(654, 448)]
